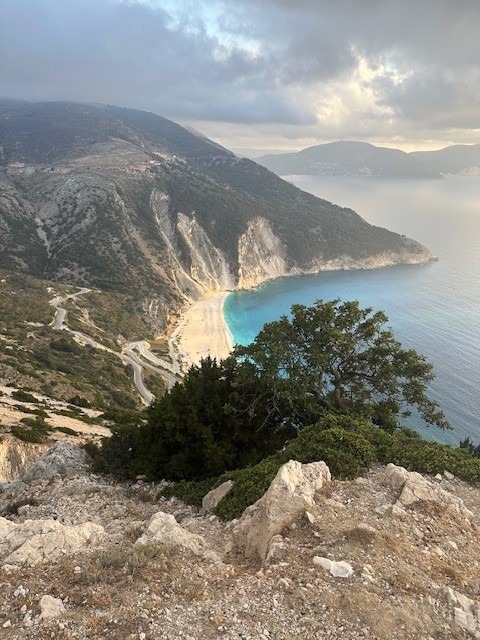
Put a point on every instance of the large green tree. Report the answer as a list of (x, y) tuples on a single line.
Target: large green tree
[(219, 418), (337, 356)]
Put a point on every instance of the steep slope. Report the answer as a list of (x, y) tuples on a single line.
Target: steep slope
[(348, 159), (460, 158), (127, 201)]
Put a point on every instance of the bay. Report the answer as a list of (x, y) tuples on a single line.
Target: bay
[(433, 308)]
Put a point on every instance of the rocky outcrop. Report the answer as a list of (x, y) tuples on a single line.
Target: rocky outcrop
[(164, 529), (261, 255), (213, 497), (466, 612), (414, 488), (34, 541), (16, 457), (208, 265), (62, 459), (291, 492)]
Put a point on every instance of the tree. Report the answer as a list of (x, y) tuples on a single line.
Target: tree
[(219, 418), (337, 356)]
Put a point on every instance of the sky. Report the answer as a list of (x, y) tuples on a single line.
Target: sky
[(261, 74)]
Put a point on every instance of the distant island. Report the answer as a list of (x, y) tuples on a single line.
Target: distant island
[(346, 158)]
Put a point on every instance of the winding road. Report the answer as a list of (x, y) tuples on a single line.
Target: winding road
[(133, 353)]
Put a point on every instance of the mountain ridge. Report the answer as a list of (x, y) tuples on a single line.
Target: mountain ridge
[(128, 201), (348, 158)]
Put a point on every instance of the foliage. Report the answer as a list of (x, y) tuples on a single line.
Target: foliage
[(79, 401), (31, 430), (23, 396), (214, 421), (249, 485), (468, 445), (117, 451), (349, 445), (190, 491), (67, 431), (347, 454), (337, 356)]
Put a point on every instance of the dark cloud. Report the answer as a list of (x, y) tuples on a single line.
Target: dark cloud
[(291, 63)]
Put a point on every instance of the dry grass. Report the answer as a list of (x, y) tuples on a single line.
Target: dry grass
[(360, 535), (124, 563)]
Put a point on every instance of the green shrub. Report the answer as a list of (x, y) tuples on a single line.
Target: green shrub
[(189, 491), (249, 486), (23, 396), (67, 431), (79, 401), (347, 454)]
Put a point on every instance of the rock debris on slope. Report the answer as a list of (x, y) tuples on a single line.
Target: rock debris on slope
[(158, 569)]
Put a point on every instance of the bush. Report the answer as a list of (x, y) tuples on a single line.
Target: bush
[(189, 491), (23, 396), (347, 454), (31, 430), (249, 486), (67, 431), (79, 401)]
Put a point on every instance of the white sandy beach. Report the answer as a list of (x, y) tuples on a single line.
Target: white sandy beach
[(203, 332)]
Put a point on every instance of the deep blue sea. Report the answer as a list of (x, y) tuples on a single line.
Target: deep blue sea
[(433, 308)]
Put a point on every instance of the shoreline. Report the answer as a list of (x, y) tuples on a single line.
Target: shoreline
[(202, 332)]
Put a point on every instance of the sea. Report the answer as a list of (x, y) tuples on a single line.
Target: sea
[(432, 308)]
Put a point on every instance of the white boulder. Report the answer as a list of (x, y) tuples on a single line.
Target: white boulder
[(34, 541), (292, 490), (340, 569), (51, 607), (164, 529), (414, 487), (213, 497)]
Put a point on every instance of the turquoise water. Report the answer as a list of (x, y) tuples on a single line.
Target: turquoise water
[(433, 308)]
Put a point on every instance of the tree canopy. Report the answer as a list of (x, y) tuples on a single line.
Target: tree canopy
[(217, 419), (328, 359), (337, 356)]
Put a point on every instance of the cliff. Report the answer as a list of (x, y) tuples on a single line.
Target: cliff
[(129, 202)]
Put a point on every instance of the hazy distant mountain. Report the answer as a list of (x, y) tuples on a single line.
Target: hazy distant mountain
[(460, 158), (253, 154), (130, 202), (348, 159)]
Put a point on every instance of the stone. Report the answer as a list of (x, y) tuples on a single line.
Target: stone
[(414, 487), (392, 510), (448, 475), (51, 607), (276, 548), (465, 611), (213, 497), (62, 459), (291, 492), (164, 529), (340, 569), (35, 541)]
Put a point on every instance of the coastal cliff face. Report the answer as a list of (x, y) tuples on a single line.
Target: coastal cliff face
[(262, 257), (131, 203)]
